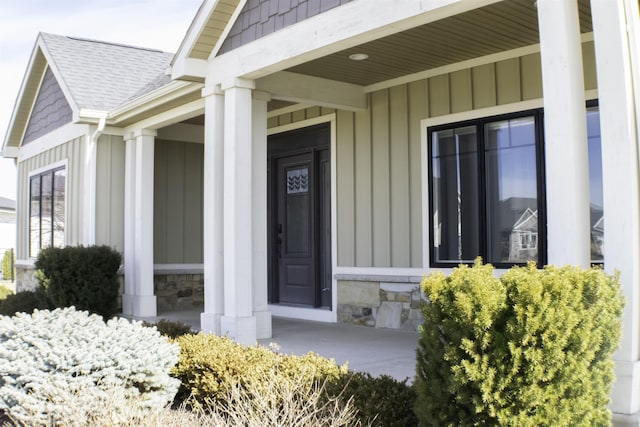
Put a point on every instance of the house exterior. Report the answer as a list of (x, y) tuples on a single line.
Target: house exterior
[(313, 159), (7, 226)]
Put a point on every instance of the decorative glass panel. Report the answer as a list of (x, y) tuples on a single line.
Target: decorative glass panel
[(298, 181)]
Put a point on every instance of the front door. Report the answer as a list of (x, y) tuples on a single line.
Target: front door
[(299, 218)]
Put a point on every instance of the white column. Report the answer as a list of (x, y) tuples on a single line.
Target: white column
[(144, 300), (238, 320), (213, 211), (129, 225), (259, 205), (619, 101), (89, 192), (566, 152)]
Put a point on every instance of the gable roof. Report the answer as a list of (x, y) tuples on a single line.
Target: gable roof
[(94, 76)]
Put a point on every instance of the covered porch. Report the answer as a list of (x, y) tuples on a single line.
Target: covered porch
[(377, 351)]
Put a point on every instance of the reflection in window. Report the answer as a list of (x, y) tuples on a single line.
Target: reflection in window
[(46, 210), (595, 185), (485, 191)]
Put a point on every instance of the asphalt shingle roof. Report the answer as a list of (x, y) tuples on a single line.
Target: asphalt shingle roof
[(7, 204), (102, 76)]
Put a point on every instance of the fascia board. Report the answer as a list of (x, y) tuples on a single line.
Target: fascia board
[(173, 90)]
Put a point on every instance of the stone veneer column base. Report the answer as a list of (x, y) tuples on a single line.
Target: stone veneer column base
[(380, 304)]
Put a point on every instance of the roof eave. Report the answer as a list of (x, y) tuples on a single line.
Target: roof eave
[(172, 90)]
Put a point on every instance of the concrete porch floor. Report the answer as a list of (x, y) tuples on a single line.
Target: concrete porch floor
[(374, 350)]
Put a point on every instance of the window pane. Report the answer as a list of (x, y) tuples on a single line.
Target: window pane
[(595, 184), (511, 191), (46, 210), (455, 195), (58, 207), (34, 217)]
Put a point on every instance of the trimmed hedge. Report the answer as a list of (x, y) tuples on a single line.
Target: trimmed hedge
[(84, 277), (210, 365), (380, 401), (23, 302), (532, 348)]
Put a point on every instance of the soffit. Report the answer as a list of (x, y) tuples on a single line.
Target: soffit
[(212, 31), (491, 29)]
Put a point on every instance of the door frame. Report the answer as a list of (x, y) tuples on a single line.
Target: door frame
[(317, 314)]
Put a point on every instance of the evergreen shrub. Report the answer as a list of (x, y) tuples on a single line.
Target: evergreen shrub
[(170, 328), (9, 265), (51, 358), (380, 401), (211, 365), (532, 348), (84, 277), (4, 292), (22, 302)]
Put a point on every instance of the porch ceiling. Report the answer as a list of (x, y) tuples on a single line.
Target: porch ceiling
[(491, 29)]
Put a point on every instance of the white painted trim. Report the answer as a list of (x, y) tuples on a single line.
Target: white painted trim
[(379, 271), (162, 269), (169, 117), (50, 166), (154, 99), (57, 137), (302, 124), (342, 27), (312, 314), (183, 132), (301, 88), (286, 110), (463, 65), (29, 263), (227, 28), (55, 165), (10, 152), (319, 315)]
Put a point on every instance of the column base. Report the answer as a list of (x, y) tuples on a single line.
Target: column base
[(626, 420), (263, 324), (241, 329), (210, 323), (139, 305)]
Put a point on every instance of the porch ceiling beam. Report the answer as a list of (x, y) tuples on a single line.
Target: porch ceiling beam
[(349, 25), (299, 88)]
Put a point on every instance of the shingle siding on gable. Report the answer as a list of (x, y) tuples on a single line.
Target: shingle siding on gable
[(50, 111), (261, 17)]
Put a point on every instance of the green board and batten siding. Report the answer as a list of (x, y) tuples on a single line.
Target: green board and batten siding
[(178, 204), (74, 150), (378, 152), (109, 195), (110, 175)]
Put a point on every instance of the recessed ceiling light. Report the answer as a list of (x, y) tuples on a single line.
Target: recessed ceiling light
[(358, 56)]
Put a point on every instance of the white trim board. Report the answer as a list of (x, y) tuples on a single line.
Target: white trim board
[(57, 137)]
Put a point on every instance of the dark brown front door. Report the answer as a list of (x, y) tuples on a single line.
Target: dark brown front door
[(299, 218)]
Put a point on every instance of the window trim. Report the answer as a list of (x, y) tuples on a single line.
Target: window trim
[(479, 122), (39, 172)]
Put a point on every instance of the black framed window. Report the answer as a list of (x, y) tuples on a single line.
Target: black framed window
[(487, 190), (595, 183), (46, 210)]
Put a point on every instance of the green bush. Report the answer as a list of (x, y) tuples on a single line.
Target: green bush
[(169, 328), (61, 367), (211, 365), (532, 348), (380, 401), (4, 292), (9, 265), (22, 302), (84, 277)]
